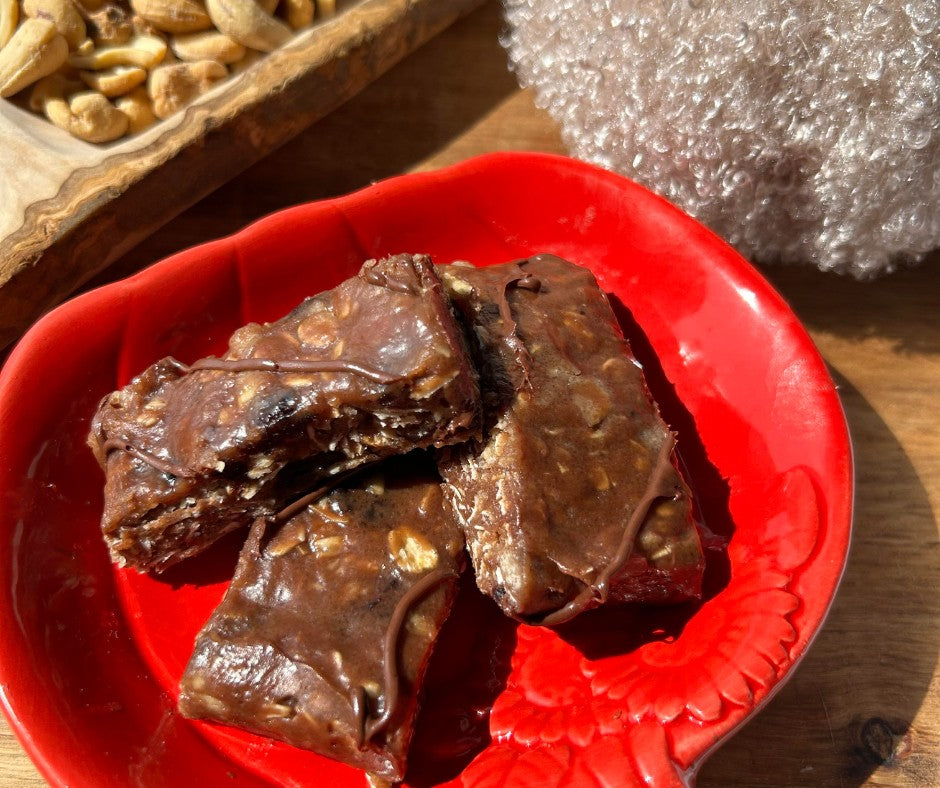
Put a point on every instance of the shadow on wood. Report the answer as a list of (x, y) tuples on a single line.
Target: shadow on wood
[(900, 307), (876, 654)]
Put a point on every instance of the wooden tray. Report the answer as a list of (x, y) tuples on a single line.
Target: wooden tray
[(69, 208)]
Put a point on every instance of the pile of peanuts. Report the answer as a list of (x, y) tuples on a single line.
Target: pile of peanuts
[(101, 69)]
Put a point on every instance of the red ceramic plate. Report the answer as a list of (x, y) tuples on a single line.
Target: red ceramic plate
[(91, 655)]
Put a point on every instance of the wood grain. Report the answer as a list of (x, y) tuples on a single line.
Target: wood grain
[(68, 208), (864, 706)]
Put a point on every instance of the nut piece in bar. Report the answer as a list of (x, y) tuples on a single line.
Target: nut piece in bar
[(375, 367), (571, 498), (324, 635)]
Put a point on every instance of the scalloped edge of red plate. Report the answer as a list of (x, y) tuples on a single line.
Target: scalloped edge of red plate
[(791, 501)]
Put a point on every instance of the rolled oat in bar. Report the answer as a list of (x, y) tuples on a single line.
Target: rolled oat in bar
[(323, 637), (572, 496), (374, 367)]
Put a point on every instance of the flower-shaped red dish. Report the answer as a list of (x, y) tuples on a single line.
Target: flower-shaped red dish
[(91, 655)]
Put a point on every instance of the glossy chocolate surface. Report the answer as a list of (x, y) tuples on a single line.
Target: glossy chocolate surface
[(324, 634), (572, 497), (375, 367)]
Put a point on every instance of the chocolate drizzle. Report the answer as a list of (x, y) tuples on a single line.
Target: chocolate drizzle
[(524, 281), (390, 673), (528, 282), (247, 365), (295, 507), (289, 365), (115, 444), (597, 591)]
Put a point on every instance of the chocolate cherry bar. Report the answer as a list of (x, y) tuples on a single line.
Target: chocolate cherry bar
[(323, 637), (572, 496), (374, 367)]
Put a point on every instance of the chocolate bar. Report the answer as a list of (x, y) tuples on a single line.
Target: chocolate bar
[(323, 637), (375, 367), (572, 496)]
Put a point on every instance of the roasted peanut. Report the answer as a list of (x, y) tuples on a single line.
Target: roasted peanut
[(63, 14), (207, 45), (57, 86), (115, 46), (115, 81), (111, 25), (299, 13), (174, 86), (94, 118), (142, 50), (173, 16), (35, 50), (248, 23), (136, 105), (9, 16), (87, 114)]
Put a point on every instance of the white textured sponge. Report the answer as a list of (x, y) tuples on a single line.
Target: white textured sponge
[(801, 130)]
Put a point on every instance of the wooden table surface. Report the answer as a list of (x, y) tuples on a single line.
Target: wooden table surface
[(864, 706)]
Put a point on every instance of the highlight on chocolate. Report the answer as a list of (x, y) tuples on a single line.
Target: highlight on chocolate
[(414, 423)]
